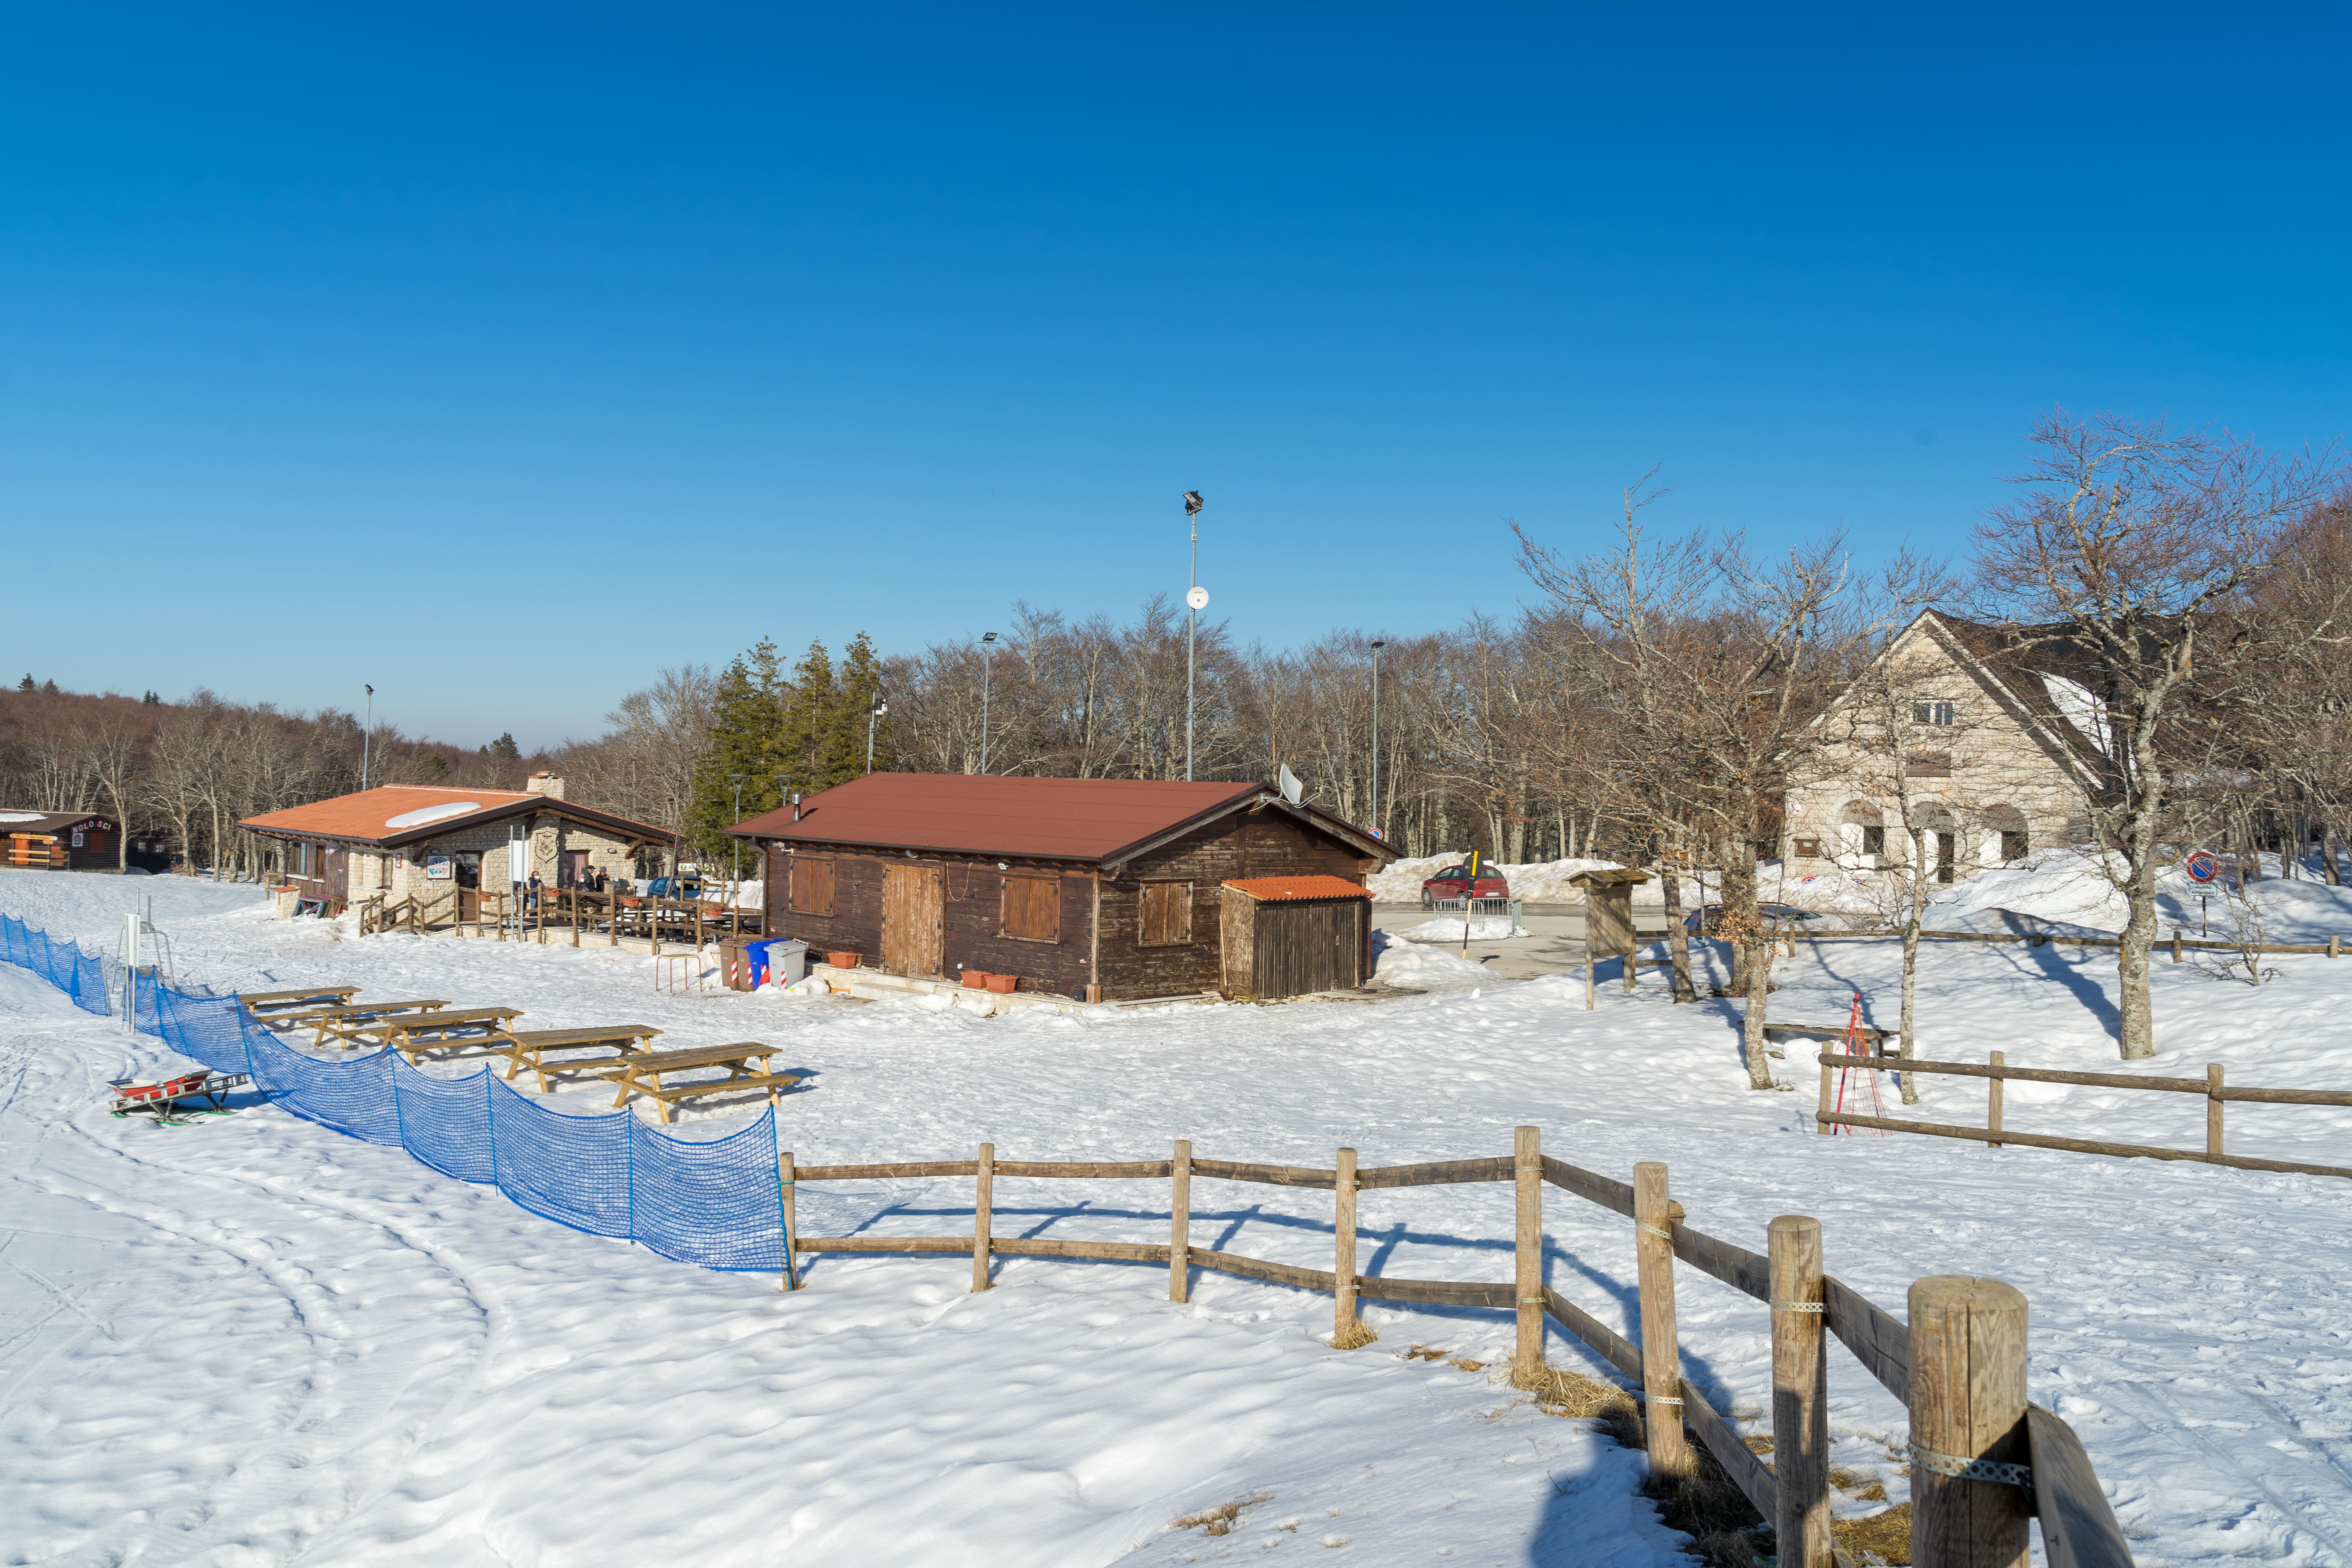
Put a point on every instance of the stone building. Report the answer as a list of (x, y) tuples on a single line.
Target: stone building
[(420, 840), (1996, 741)]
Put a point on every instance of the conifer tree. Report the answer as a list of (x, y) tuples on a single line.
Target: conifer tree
[(810, 722), (856, 691), (746, 737)]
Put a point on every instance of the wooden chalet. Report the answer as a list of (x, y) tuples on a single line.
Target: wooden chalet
[(58, 840), (1101, 890), (420, 841)]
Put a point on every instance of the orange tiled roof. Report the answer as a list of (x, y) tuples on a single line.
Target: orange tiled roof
[(1280, 889), (402, 813)]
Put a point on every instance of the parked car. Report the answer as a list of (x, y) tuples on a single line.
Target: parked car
[(1454, 883), (1777, 919)]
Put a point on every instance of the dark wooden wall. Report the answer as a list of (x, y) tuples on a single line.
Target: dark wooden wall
[(971, 939), (1233, 848)]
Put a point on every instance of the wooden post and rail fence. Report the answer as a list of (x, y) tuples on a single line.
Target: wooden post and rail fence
[(2332, 947), (2216, 1091), (1984, 1462), (568, 911)]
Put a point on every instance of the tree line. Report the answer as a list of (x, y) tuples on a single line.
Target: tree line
[(1654, 701)]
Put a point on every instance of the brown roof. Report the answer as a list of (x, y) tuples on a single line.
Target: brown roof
[(36, 823), (393, 815), (1032, 818), (1281, 889)]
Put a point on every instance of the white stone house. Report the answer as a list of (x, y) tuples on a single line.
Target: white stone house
[(1997, 743), (422, 840)]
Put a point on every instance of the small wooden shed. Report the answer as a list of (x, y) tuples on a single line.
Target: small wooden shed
[(57, 840), (1293, 936)]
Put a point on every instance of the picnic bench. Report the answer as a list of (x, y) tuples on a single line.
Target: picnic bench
[(529, 1047), (642, 1073), (331, 1020), (446, 1030), (277, 1001)]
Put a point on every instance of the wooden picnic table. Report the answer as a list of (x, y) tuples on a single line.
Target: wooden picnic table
[(328, 1020), (260, 1001), (530, 1047), (642, 1074), (443, 1031)]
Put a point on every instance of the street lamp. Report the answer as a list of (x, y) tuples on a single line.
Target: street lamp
[(873, 715), (1376, 738), (987, 664), (1196, 599), (737, 843)]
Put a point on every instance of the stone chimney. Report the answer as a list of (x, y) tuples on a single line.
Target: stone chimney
[(549, 785)]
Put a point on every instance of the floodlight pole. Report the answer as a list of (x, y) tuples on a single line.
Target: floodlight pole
[(873, 716), (367, 737), (1376, 738), (1191, 616), (987, 666)]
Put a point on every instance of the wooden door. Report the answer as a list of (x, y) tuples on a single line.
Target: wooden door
[(338, 873), (914, 901)]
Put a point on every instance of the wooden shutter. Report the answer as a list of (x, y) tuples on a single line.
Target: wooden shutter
[(1032, 908), (812, 886), (1167, 914)]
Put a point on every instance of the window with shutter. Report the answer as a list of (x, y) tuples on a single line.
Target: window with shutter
[(812, 886), (1167, 914), (1032, 910)]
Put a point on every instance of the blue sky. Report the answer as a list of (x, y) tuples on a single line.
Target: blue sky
[(569, 342)]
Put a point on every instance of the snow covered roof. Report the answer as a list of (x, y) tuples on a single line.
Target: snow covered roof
[(1099, 820), (390, 816), (36, 823)]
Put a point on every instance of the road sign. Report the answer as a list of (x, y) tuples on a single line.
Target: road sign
[(2201, 866)]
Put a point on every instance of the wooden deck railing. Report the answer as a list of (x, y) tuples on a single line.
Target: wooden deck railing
[(2212, 1088), (1984, 1462), (572, 914)]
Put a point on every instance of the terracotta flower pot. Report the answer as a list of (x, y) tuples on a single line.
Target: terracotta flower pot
[(1003, 984), (841, 960), (977, 979)]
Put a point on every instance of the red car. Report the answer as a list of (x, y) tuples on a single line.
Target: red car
[(1454, 883)]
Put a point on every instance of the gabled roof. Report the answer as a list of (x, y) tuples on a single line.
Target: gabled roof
[(1096, 820), (36, 823), (1287, 889), (390, 816)]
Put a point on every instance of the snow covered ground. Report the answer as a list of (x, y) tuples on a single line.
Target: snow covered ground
[(253, 1341)]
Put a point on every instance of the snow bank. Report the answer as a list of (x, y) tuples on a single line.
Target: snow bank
[(1534, 882), (1443, 930), (2063, 891), (1398, 962)]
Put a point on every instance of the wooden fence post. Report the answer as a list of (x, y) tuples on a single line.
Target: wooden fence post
[(2213, 1104), (2176, 944), (1179, 1222), (1527, 1170), (1820, 1126), (983, 1196), (612, 920), (1662, 1371), (1801, 1431), (1992, 1103), (1969, 1502), (1343, 1262), (784, 1174), (574, 902)]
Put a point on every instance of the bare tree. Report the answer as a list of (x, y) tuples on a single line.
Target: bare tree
[(2115, 570)]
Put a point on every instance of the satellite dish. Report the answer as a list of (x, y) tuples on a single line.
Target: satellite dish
[(1291, 788), (1198, 598)]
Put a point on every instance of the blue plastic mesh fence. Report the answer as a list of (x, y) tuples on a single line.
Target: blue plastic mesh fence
[(90, 984), (204, 1029), (353, 1096), (574, 1170), (445, 1122), (718, 1203)]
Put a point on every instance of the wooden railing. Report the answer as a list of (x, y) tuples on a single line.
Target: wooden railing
[(2216, 1092), (567, 911), (2332, 947), (1983, 1461)]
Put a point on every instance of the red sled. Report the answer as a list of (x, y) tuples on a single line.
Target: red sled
[(165, 1098)]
